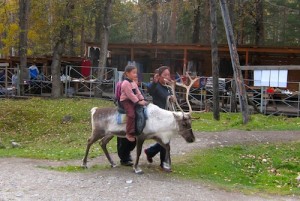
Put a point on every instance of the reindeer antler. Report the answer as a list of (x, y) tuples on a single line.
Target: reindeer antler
[(171, 84), (188, 88)]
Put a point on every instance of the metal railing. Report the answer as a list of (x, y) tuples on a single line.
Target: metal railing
[(76, 84), (8, 80)]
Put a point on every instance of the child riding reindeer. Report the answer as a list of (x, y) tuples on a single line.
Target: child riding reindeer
[(161, 125)]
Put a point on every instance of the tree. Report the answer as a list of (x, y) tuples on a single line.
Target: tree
[(154, 5), (23, 23), (259, 22), (254, 22), (59, 48), (98, 20), (196, 22), (104, 41), (214, 59), (173, 23), (105, 34)]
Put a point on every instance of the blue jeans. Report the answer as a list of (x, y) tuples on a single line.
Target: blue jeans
[(155, 149)]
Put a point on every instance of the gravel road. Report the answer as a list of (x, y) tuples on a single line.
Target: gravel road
[(24, 179)]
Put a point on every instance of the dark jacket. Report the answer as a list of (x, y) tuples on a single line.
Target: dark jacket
[(159, 94)]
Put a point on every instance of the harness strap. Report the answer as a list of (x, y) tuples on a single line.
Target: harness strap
[(170, 104)]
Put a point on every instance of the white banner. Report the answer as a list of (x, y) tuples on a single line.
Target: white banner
[(270, 78)]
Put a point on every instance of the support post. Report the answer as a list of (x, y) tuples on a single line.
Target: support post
[(235, 62)]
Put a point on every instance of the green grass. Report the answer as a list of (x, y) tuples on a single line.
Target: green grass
[(230, 121), (268, 168), (37, 125)]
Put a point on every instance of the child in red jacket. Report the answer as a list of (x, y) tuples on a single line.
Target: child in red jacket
[(130, 97)]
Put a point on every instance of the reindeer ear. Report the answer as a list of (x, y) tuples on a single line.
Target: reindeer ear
[(188, 115), (178, 116)]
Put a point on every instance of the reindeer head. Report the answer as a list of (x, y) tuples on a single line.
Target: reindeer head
[(184, 122)]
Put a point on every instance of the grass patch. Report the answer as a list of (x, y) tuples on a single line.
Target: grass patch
[(270, 168), (37, 125), (73, 168), (258, 122)]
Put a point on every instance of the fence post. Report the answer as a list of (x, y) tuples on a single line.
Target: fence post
[(298, 100)]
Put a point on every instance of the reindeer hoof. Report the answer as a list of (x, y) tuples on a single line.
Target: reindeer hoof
[(138, 171), (84, 166), (113, 165)]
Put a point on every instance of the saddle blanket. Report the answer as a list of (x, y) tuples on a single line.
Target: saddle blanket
[(121, 118)]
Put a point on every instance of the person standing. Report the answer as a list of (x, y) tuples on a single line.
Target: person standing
[(160, 94), (33, 72)]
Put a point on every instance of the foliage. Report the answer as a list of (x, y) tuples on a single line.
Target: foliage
[(271, 168), (132, 22)]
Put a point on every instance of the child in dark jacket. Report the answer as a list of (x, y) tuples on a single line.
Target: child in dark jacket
[(130, 97)]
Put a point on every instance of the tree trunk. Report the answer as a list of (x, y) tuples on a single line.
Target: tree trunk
[(154, 23), (259, 23), (231, 15), (196, 30), (82, 38), (205, 35), (72, 43), (59, 50), (23, 23), (104, 43), (173, 23), (231, 11), (214, 59), (105, 33), (98, 21), (235, 62)]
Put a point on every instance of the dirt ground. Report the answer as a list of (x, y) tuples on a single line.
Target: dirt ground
[(24, 179)]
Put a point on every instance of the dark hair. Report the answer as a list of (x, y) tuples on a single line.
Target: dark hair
[(129, 68), (162, 69)]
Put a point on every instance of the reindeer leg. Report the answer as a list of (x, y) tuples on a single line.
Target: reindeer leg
[(139, 146), (90, 141), (103, 144)]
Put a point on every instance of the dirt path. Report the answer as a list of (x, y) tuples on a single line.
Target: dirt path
[(22, 179)]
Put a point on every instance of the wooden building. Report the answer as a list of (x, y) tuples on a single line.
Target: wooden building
[(196, 58)]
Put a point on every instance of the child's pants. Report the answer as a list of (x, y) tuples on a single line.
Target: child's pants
[(129, 107)]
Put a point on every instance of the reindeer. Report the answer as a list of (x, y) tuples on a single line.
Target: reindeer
[(161, 125)]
